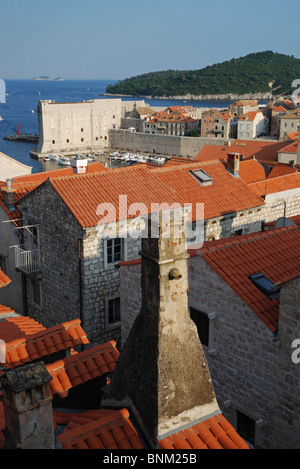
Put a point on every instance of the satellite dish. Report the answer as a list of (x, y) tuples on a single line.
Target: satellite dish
[(283, 221)]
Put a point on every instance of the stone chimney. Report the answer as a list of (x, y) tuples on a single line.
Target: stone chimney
[(162, 373), (233, 163), (79, 165), (9, 196), (27, 402)]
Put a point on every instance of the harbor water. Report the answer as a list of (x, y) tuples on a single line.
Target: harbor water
[(20, 111)]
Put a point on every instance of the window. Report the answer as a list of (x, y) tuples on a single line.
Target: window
[(201, 320), (266, 285), (3, 263), (81, 130), (53, 142), (203, 177), (68, 141), (82, 139), (238, 232), (96, 138), (246, 427), (113, 312), (114, 250), (36, 292)]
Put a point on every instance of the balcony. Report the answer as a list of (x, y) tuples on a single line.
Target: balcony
[(28, 261)]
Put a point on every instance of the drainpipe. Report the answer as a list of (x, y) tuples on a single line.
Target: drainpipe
[(80, 281)]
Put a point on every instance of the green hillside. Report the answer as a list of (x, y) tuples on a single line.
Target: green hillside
[(255, 73)]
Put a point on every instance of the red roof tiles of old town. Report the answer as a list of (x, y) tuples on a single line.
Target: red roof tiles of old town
[(275, 253), (263, 151)]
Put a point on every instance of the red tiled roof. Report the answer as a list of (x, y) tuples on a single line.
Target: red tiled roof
[(214, 433), (82, 367), (250, 116), (225, 116), (18, 328), (113, 431), (292, 148), (5, 309), (84, 194), (281, 170), (25, 184), (251, 171), (276, 184), (263, 151), (280, 109), (175, 161), (274, 253), (4, 280), (245, 102), (44, 343), (226, 195)]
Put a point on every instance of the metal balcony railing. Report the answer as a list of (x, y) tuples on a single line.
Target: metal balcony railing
[(27, 261)]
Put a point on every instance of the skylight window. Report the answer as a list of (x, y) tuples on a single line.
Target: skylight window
[(203, 177), (266, 285)]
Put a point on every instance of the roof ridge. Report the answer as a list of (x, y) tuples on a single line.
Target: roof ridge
[(275, 177), (38, 335), (67, 361), (104, 420), (244, 239)]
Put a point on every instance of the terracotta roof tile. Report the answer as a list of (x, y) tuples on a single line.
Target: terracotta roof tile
[(251, 171), (19, 327), (226, 195), (275, 253), (113, 430), (276, 184), (4, 280), (214, 433), (263, 151), (84, 194), (81, 367), (44, 343), (281, 170)]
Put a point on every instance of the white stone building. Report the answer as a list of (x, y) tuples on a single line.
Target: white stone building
[(252, 125), (75, 127), (9, 168)]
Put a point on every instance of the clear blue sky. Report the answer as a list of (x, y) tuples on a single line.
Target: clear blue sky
[(115, 39)]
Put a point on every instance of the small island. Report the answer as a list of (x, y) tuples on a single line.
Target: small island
[(45, 78), (259, 75)]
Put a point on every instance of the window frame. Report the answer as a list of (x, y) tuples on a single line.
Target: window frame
[(210, 324), (123, 254), (117, 323)]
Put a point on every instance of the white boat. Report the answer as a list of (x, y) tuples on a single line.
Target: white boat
[(46, 158), (64, 161), (1, 118), (53, 157)]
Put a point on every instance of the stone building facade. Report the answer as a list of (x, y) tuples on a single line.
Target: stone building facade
[(77, 126), (289, 123), (255, 378)]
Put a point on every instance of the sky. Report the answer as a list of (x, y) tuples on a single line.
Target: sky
[(96, 39)]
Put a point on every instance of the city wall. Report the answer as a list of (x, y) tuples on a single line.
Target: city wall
[(169, 145)]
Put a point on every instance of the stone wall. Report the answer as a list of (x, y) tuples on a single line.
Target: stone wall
[(251, 371), (162, 144), (10, 167), (101, 282), (59, 233), (75, 127), (11, 295)]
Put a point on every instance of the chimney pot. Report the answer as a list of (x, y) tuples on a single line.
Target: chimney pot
[(233, 163)]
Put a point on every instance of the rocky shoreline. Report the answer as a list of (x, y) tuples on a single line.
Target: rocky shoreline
[(208, 97)]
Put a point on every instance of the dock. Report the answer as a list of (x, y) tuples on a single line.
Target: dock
[(22, 138)]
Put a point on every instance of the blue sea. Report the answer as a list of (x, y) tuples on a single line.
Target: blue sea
[(22, 98)]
